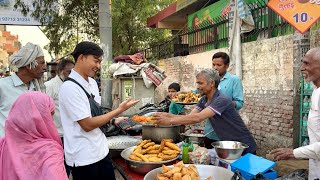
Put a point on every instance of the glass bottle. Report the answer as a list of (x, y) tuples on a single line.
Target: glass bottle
[(305, 142), (305, 128), (305, 102)]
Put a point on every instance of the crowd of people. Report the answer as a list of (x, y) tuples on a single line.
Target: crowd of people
[(50, 129), (36, 118)]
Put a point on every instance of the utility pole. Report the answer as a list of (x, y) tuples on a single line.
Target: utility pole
[(105, 29)]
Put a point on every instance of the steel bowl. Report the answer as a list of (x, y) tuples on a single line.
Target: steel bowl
[(217, 173), (229, 149), (194, 138), (142, 167), (157, 133)]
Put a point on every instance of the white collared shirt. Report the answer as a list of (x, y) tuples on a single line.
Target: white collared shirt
[(52, 89), (81, 147), (312, 151), (10, 89)]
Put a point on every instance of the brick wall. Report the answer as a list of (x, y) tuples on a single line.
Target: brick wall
[(268, 89), (315, 37)]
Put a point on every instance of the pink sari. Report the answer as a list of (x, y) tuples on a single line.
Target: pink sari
[(31, 148)]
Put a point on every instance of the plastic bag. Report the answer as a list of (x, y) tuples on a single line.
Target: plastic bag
[(200, 155), (300, 174)]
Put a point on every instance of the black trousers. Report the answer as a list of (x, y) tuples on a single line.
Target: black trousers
[(100, 170)]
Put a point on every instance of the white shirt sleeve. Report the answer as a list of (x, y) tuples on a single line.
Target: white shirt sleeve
[(311, 151)]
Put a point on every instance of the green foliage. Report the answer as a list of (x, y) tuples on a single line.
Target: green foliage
[(74, 21)]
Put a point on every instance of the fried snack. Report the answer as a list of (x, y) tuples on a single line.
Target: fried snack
[(148, 149), (162, 177), (134, 157), (142, 143), (148, 145), (155, 159), (187, 97), (166, 149), (172, 146), (170, 152), (177, 176), (157, 147), (209, 178), (141, 157), (162, 145), (194, 176), (150, 155), (154, 147), (180, 172), (138, 149), (173, 171), (193, 168), (143, 119), (168, 140), (165, 168), (155, 152), (179, 164), (160, 154), (184, 171), (186, 177), (168, 157)]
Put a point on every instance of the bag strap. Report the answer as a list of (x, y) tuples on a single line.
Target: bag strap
[(70, 79)]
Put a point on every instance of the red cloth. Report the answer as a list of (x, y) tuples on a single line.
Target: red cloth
[(31, 148), (130, 174)]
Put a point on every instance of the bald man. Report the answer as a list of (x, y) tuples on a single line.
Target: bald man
[(31, 65), (310, 69)]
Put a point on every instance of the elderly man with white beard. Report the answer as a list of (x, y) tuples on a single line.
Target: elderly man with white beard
[(31, 65)]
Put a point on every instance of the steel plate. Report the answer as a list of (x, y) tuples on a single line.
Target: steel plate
[(217, 173)]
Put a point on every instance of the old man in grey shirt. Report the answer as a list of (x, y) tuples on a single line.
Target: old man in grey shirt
[(31, 65)]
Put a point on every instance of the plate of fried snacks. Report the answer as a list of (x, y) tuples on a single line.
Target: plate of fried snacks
[(148, 155), (188, 98), (143, 119), (180, 171)]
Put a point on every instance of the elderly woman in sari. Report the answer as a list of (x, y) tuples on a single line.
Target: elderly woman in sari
[(31, 65), (31, 148)]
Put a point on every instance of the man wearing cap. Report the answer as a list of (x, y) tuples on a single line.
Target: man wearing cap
[(85, 145), (31, 65)]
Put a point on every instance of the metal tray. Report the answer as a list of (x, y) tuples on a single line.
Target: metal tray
[(217, 173), (122, 142), (143, 167)]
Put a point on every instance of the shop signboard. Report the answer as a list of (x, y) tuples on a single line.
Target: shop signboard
[(127, 89), (301, 14), (11, 16)]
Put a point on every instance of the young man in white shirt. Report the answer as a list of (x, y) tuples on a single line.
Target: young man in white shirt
[(310, 68), (86, 148)]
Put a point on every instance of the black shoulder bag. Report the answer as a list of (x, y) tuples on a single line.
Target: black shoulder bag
[(107, 129)]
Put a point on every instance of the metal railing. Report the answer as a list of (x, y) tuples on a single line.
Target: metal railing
[(215, 35)]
